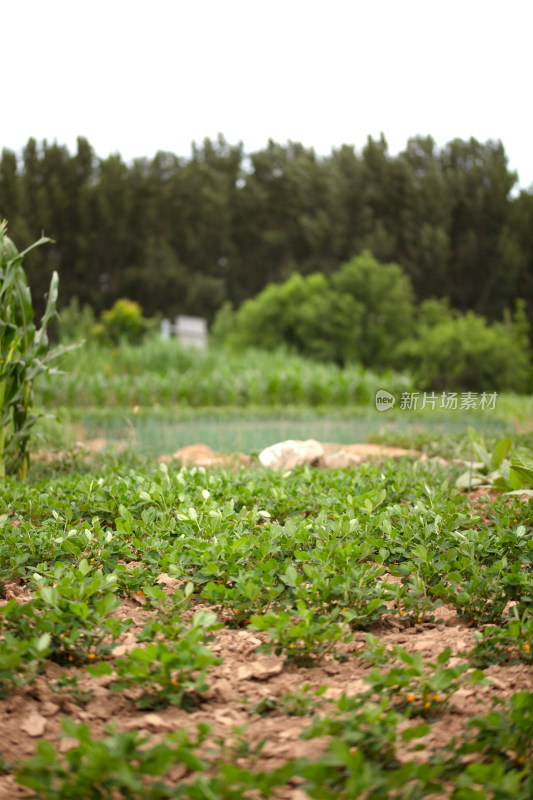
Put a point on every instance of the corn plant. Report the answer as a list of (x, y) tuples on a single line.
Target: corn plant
[(24, 354)]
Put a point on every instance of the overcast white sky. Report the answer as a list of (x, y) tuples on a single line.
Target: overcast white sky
[(137, 77)]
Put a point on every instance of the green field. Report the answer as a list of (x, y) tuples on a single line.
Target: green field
[(158, 397), (174, 632), (388, 612)]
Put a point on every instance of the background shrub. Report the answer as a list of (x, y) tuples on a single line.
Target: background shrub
[(359, 314), (464, 353), (123, 322)]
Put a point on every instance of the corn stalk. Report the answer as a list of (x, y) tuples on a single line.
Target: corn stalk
[(24, 354)]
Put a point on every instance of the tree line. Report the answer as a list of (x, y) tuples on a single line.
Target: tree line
[(186, 235)]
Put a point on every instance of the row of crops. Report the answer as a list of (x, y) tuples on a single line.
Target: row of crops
[(307, 561), (146, 376)]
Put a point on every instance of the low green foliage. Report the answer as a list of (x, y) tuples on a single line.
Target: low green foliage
[(512, 641), (506, 468), (168, 672), (509, 731), (75, 323), (72, 608), (420, 689), (118, 766), (294, 704), (302, 636), (301, 560), (165, 373), (20, 660)]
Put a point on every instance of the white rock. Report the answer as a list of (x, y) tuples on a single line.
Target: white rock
[(341, 460), (290, 454)]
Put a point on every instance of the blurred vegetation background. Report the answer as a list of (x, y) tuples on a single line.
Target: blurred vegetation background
[(183, 236), (323, 279)]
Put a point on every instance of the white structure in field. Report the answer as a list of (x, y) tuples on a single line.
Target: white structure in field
[(191, 331)]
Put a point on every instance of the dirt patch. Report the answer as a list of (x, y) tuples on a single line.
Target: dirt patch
[(244, 679), (369, 451), (201, 455)]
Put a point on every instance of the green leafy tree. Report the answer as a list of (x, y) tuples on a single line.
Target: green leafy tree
[(359, 314), (383, 307), (455, 352)]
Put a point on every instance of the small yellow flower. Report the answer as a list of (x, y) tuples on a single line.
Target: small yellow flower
[(71, 658), (436, 698), (475, 619), (419, 619), (92, 559), (527, 648), (410, 697), (91, 655), (427, 704), (140, 592), (175, 683), (343, 609), (402, 613), (292, 645)]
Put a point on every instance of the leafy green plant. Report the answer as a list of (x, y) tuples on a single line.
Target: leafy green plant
[(247, 597), (366, 727), (303, 635), (510, 642), (481, 594), (168, 673), (70, 685), (420, 689), (346, 772), (505, 468), (413, 600), (375, 652), (118, 766), (24, 355), (20, 660), (358, 594), (295, 704), (509, 731), (74, 613)]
